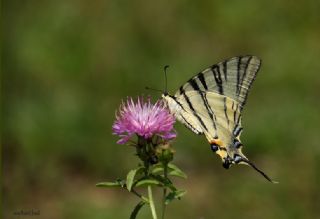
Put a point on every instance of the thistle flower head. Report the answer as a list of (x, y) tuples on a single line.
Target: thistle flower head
[(143, 119)]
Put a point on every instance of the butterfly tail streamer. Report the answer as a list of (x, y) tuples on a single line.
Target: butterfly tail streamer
[(258, 170)]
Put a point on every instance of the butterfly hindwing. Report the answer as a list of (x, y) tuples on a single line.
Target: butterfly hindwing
[(228, 122)]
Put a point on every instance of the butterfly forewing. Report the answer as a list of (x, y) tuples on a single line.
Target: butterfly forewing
[(231, 78)]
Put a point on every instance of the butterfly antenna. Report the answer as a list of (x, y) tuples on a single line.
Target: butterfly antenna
[(165, 75), (149, 88), (258, 170)]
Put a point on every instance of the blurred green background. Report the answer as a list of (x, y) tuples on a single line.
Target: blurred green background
[(67, 64)]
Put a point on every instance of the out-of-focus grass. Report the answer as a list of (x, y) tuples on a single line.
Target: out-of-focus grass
[(67, 65)]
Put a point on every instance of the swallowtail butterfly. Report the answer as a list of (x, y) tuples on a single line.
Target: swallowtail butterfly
[(211, 103)]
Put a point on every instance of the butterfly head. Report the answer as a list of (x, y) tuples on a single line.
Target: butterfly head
[(165, 94)]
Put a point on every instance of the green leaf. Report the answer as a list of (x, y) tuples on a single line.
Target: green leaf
[(136, 209), (174, 167), (147, 182), (174, 195), (110, 184), (176, 171), (164, 181), (178, 174), (157, 168), (130, 177)]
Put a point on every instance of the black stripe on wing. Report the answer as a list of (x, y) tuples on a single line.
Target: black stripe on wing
[(210, 112), (224, 64), (186, 123), (225, 109), (192, 108), (202, 80), (245, 70), (189, 126), (217, 77), (238, 75)]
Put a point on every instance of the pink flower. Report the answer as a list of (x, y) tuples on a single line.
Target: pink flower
[(144, 119)]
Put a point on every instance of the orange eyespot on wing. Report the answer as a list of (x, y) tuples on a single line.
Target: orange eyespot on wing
[(218, 147), (216, 142)]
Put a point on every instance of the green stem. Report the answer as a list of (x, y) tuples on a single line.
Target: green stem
[(151, 203), (165, 172), (139, 195)]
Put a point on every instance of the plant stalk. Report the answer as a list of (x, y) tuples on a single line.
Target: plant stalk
[(151, 203), (165, 173)]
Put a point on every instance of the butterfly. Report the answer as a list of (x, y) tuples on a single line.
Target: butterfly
[(211, 102)]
